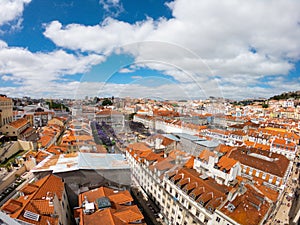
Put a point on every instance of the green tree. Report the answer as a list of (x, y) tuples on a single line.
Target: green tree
[(265, 105), (106, 101)]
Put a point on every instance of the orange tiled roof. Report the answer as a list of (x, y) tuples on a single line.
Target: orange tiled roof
[(287, 145), (12, 207), (224, 148), (34, 200), (19, 123), (45, 140), (257, 145), (121, 198), (190, 162), (129, 216), (276, 165), (245, 213), (2, 98), (43, 206), (205, 154), (56, 149), (226, 163), (116, 214), (29, 189), (139, 146)]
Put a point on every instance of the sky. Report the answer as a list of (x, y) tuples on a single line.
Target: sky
[(180, 49)]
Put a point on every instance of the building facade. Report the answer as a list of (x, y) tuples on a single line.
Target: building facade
[(6, 110)]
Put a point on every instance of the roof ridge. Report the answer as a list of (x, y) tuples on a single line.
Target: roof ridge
[(31, 202)]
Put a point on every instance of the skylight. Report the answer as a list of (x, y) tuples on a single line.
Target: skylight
[(31, 216)]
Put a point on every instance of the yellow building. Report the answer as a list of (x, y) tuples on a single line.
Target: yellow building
[(6, 110)]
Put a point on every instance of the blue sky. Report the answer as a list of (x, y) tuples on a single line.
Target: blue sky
[(167, 49)]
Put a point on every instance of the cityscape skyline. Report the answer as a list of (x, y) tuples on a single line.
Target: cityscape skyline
[(163, 49)]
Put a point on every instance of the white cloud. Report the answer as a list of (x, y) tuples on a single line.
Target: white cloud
[(136, 77), (126, 70), (113, 7), (11, 10), (168, 91), (223, 35), (101, 38), (238, 42), (37, 72)]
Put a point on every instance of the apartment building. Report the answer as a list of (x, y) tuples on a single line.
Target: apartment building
[(223, 170), (43, 202), (218, 134), (249, 207), (272, 168), (284, 147), (113, 118), (111, 207), (19, 128), (183, 190)]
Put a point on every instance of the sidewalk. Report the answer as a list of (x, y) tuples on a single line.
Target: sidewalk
[(282, 214)]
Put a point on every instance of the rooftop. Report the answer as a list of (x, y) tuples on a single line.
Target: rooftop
[(81, 160), (265, 161), (34, 206), (247, 209), (19, 123), (110, 206), (188, 136)]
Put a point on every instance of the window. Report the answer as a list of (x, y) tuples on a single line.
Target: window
[(251, 170)]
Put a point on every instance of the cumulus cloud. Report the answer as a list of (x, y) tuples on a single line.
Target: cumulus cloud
[(225, 38), (126, 70), (40, 71), (102, 38), (11, 10), (223, 46)]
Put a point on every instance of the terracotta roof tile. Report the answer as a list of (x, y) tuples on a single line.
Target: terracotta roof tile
[(36, 202), (12, 206), (116, 214), (129, 216), (226, 163), (245, 212), (121, 198), (265, 161), (19, 123), (205, 154), (43, 206)]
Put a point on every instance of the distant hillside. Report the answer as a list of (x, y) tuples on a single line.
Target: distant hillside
[(286, 95)]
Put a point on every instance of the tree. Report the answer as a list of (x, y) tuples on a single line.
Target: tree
[(106, 101), (265, 105)]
